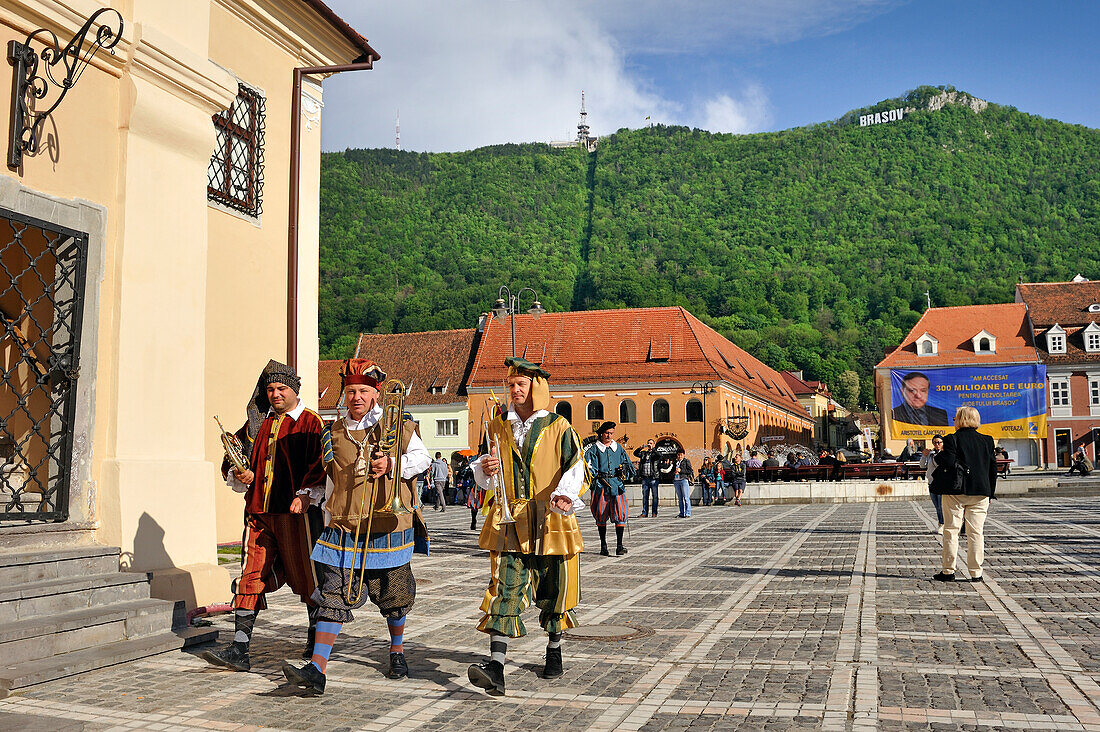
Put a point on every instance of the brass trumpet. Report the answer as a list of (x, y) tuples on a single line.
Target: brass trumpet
[(233, 449), (391, 426)]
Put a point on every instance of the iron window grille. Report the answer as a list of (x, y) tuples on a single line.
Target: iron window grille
[(235, 177), (42, 277)]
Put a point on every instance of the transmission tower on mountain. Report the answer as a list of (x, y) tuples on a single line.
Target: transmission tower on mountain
[(584, 137)]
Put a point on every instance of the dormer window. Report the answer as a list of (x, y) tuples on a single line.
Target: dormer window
[(927, 345), (984, 342), (1056, 339), (1091, 335)]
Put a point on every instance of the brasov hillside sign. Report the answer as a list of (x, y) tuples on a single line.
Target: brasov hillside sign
[(878, 118)]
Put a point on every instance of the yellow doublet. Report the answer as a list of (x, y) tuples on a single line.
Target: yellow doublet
[(529, 477)]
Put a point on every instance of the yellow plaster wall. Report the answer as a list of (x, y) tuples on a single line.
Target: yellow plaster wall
[(192, 300), (246, 314)]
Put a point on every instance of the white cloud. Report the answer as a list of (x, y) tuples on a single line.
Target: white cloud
[(468, 73), (749, 113)]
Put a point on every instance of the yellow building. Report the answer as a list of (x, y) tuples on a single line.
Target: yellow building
[(832, 422), (147, 276)]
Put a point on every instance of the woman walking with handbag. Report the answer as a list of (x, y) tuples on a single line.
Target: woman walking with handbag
[(966, 479)]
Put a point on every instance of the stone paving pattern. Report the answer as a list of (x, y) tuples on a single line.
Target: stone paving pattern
[(777, 617)]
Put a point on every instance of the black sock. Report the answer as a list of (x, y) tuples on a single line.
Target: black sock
[(619, 535), (244, 621), (603, 535)]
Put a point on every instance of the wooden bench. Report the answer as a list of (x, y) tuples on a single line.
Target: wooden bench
[(810, 472), (885, 471)]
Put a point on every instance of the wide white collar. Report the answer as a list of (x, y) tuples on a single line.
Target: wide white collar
[(293, 413), (513, 417), (369, 419), (604, 448)]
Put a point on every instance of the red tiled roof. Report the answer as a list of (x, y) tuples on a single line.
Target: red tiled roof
[(421, 360), (802, 386), (1065, 303), (954, 327), (632, 345), (344, 29), (1075, 347), (867, 419)]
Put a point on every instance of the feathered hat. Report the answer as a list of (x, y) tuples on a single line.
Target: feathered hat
[(361, 371)]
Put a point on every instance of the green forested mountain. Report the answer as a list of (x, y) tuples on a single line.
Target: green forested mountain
[(812, 247)]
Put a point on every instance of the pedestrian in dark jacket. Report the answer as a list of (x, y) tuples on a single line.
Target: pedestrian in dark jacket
[(966, 478)]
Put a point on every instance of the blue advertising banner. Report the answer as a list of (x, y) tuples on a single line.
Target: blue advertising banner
[(1012, 400)]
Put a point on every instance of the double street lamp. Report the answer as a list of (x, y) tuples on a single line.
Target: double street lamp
[(704, 388), (506, 305)]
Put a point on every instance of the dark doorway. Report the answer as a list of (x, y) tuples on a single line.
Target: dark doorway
[(1063, 447), (42, 270)]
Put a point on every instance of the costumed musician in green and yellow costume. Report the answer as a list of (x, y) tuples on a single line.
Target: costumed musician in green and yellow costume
[(533, 560)]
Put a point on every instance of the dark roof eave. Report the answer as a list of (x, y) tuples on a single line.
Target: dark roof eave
[(353, 37)]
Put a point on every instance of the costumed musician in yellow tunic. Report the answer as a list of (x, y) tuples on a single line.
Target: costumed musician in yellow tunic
[(533, 559)]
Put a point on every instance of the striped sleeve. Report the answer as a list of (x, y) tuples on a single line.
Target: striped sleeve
[(326, 445)]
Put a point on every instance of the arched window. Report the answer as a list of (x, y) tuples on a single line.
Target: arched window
[(660, 410), (595, 410), (627, 411), (565, 410), (927, 347), (983, 345), (694, 411)]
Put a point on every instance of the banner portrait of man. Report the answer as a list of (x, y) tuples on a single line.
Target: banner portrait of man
[(914, 408)]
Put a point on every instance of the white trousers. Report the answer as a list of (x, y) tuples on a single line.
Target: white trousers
[(971, 511)]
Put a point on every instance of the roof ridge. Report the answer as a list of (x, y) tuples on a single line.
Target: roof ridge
[(1065, 282), (417, 332), (689, 317)]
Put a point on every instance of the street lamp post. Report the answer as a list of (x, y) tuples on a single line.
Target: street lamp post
[(704, 388), (506, 306)]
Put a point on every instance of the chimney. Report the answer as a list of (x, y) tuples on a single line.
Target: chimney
[(481, 322)]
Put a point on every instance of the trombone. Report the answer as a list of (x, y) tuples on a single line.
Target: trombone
[(392, 425), (498, 484)]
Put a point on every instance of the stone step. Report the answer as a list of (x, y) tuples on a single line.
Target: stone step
[(52, 597), (18, 675), (37, 535), (17, 568), (52, 635)]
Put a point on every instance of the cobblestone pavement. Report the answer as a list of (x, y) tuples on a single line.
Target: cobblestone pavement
[(780, 617)]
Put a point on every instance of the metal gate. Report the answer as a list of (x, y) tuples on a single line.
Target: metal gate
[(42, 271)]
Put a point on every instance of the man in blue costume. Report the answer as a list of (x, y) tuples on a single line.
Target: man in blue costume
[(610, 466)]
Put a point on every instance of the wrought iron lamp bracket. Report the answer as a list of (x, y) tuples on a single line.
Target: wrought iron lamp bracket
[(25, 127)]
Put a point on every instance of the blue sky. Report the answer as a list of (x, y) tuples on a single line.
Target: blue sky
[(467, 73)]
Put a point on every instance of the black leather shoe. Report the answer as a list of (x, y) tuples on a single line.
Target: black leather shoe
[(398, 668), (552, 669), (604, 552), (307, 677), (620, 551), (488, 676), (234, 656), (976, 579), (944, 577)]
